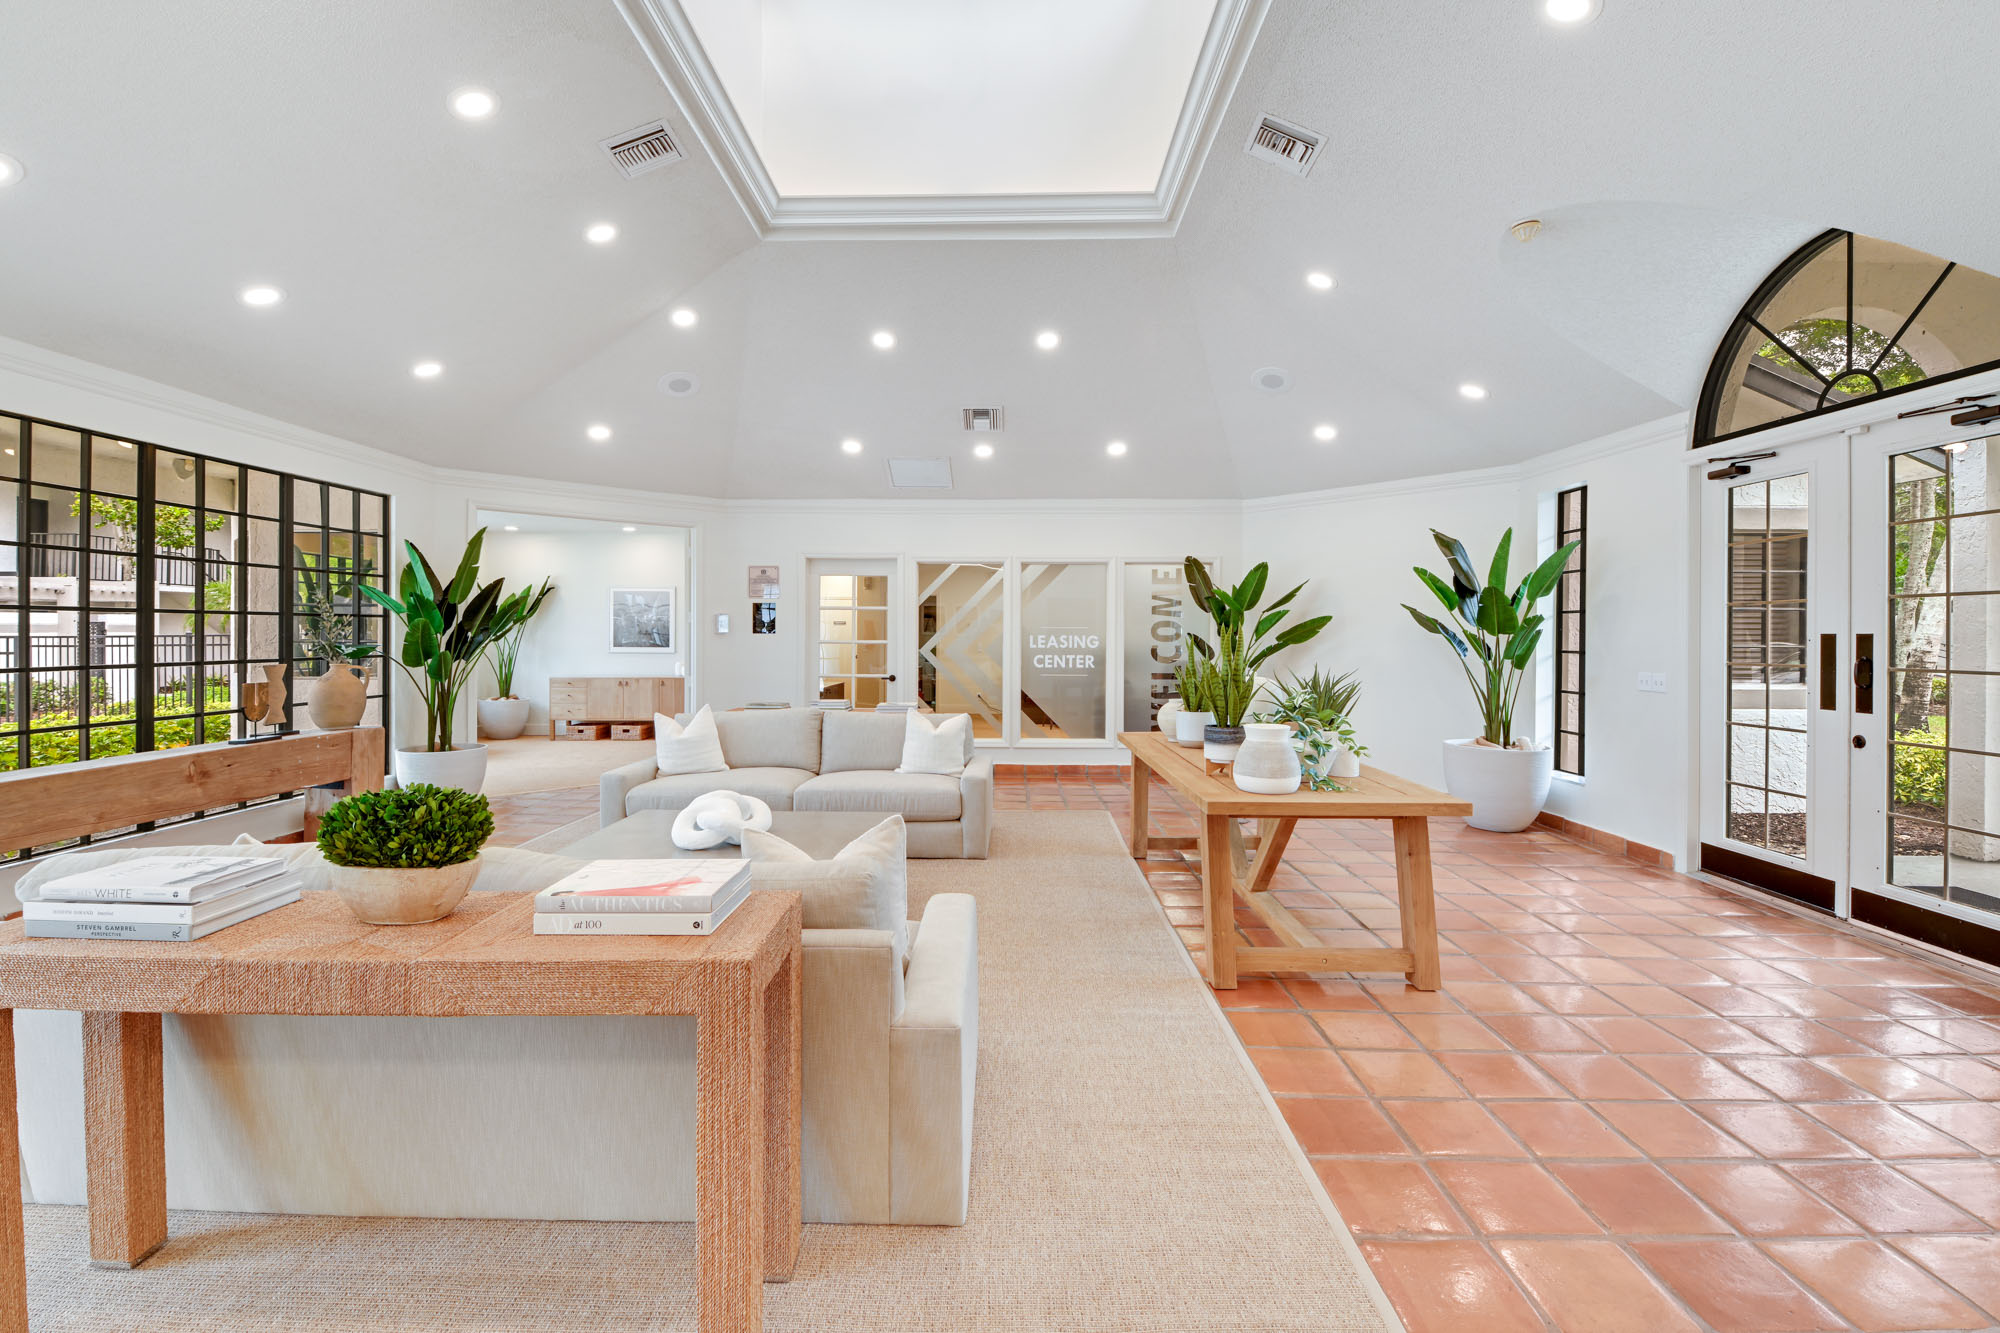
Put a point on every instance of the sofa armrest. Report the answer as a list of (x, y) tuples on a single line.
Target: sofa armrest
[(612, 788), (975, 796), (933, 1063)]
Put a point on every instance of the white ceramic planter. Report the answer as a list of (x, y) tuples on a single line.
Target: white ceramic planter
[(1188, 727), (1506, 787), (1343, 763), (1220, 744), (463, 767), (396, 896), (1165, 717), (502, 719), (1266, 764)]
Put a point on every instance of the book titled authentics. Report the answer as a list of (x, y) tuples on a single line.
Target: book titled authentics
[(681, 897)]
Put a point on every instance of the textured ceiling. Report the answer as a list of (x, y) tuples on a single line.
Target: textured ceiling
[(1677, 148)]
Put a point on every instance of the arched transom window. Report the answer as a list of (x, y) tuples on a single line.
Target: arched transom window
[(1847, 317)]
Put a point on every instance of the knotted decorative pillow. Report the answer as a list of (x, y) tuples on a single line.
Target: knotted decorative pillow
[(719, 817)]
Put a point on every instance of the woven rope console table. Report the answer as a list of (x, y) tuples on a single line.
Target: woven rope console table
[(740, 984)]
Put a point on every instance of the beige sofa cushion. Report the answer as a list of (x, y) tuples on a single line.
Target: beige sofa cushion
[(921, 798), (771, 738), (854, 741), (773, 786), (865, 887)]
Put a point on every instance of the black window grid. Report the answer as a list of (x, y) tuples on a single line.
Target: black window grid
[(1572, 517)]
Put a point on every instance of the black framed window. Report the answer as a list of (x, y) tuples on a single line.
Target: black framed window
[(139, 583), (1847, 317), (1572, 518)]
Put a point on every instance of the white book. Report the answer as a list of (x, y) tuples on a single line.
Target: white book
[(161, 879), (150, 930), (684, 885), (636, 923), (184, 914)]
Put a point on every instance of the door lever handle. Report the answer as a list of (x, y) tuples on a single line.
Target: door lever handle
[(1864, 673)]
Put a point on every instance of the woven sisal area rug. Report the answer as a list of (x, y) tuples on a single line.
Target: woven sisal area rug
[(1129, 1174)]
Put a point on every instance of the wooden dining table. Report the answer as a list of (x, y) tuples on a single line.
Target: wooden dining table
[(1229, 859)]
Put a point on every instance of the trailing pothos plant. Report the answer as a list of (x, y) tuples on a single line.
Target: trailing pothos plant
[(447, 628), (1489, 623), (1244, 638)]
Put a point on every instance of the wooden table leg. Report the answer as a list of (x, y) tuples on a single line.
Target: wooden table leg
[(1218, 891), (124, 1137), (1273, 836), (13, 1238), (783, 1055), (729, 1137), (1142, 800), (1413, 895)]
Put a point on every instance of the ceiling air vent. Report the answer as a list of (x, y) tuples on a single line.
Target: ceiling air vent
[(639, 151), (920, 474), (680, 383), (1284, 145), (982, 419)]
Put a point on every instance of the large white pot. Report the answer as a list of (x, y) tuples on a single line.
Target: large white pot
[(1189, 725), (462, 766), (502, 719), (1506, 787)]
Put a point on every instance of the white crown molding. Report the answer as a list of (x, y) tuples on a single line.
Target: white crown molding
[(1506, 475), (502, 490), (1647, 435), (1190, 509), (675, 50)]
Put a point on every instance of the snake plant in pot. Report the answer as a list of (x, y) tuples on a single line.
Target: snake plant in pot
[(1245, 638), (1495, 633)]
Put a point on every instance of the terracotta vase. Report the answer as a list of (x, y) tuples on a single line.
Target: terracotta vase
[(398, 896), (339, 698)]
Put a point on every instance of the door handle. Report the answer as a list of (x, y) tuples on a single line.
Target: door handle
[(1864, 673), (892, 676)]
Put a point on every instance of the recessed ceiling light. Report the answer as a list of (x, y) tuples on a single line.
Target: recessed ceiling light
[(473, 104), (630, 528), (511, 527), (427, 370), (883, 339), (1571, 11), (600, 233), (599, 432), (1048, 340), (684, 318), (1472, 390), (1116, 448), (850, 446), (1324, 433), (982, 451), (260, 296), (1319, 282), (11, 169)]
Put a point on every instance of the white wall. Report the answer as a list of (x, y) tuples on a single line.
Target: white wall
[(572, 634)]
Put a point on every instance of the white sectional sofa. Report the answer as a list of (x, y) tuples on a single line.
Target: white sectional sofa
[(807, 759), (579, 1118)]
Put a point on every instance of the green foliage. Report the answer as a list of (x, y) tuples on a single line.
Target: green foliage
[(328, 632), (1321, 697), (1226, 671), (1187, 675), (215, 596), (106, 741), (173, 526), (507, 647), (1823, 345), (1316, 708), (1919, 773), (1497, 628), (418, 827)]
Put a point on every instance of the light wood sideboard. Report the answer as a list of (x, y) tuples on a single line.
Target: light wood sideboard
[(614, 698)]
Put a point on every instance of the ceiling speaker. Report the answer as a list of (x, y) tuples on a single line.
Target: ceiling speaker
[(680, 383), (1271, 379)]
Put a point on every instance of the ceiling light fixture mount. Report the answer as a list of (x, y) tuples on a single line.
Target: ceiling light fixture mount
[(260, 296), (883, 340), (680, 383), (684, 318), (473, 104), (427, 370), (1570, 12), (600, 233), (1472, 391), (11, 169), (1527, 229), (1271, 379)]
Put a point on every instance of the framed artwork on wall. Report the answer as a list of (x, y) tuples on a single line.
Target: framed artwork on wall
[(642, 620)]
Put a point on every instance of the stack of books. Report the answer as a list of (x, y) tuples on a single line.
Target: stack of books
[(835, 705), (762, 704), (895, 708), (158, 898), (680, 897)]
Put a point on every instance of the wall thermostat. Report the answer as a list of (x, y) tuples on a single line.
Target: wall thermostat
[(722, 623)]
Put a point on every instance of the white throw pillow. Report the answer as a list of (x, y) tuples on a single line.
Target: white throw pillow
[(935, 749), (866, 886), (695, 748)]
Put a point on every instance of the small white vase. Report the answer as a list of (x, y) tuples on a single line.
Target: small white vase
[(1343, 763), (1189, 725), (1165, 717), (1506, 787), (462, 766), (1266, 764), (502, 719)]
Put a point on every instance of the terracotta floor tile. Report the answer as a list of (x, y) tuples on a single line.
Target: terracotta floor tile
[(1267, 1029), (1697, 1078), (1969, 1074), (1735, 1287), (1889, 1078), (1487, 1074), (1401, 1074), (1337, 1126), (1630, 1035), (1452, 1032), (1256, 993), (1531, 1032), (1461, 1128), (1881, 1198), (1791, 1078), (1594, 1285), (1604, 971), (1514, 1197), (1778, 1131), (1599, 1076), (1875, 1287), (1450, 1287), (1976, 1124), (1891, 1038), (1969, 1263), (1803, 1036), (1885, 1131), (1346, 1030), (1718, 1036), (1574, 999), (1972, 1185), (1759, 1200), (1388, 1198), (1561, 1129), (1638, 1199), (1293, 1069), (1670, 1129)]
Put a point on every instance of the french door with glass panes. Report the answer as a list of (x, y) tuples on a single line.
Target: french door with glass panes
[(854, 631)]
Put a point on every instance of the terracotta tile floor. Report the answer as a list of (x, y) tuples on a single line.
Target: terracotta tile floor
[(1638, 1104)]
